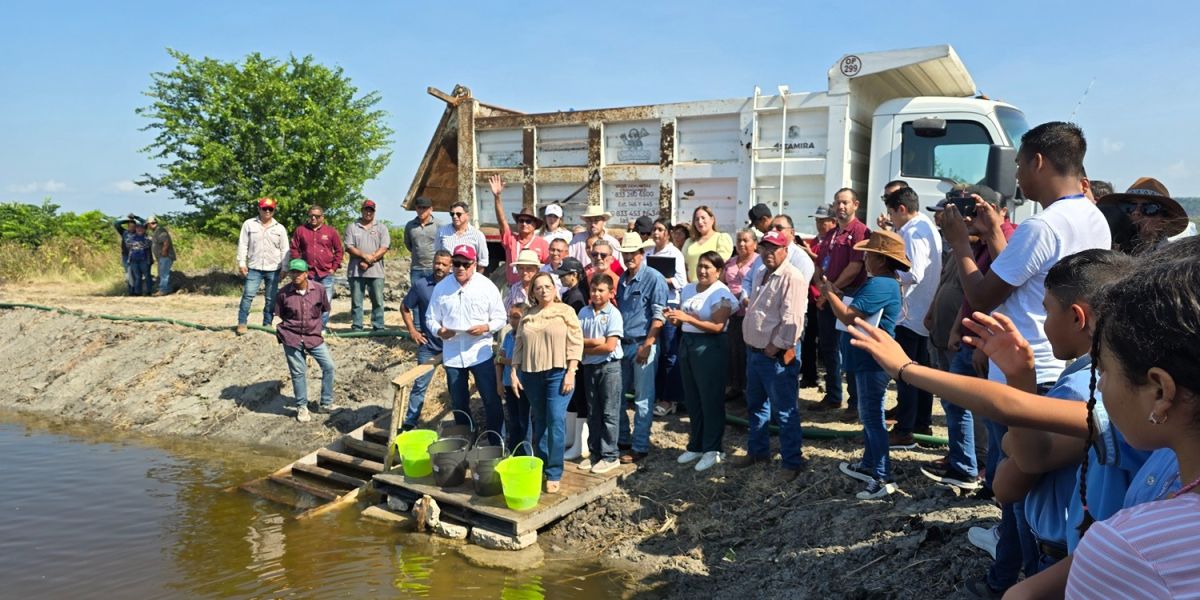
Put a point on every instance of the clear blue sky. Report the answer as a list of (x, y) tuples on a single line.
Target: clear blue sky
[(73, 72)]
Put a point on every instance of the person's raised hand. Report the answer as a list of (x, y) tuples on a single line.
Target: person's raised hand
[(997, 337), (953, 227), (987, 218), (497, 184), (882, 347)]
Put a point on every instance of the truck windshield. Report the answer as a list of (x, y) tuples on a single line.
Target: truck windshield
[(959, 156), (1014, 124)]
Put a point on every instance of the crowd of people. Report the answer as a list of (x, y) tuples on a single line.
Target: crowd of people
[(1061, 333)]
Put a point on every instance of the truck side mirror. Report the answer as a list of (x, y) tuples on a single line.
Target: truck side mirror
[(929, 127), (1002, 170)]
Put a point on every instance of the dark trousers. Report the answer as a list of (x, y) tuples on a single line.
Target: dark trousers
[(667, 380), (808, 348), (705, 361), (831, 358), (516, 418), (914, 407), (737, 349)]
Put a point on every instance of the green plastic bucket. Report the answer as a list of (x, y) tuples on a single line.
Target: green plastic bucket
[(413, 448), (521, 480)]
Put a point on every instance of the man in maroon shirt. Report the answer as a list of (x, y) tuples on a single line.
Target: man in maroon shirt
[(319, 245), (843, 265), (300, 305)]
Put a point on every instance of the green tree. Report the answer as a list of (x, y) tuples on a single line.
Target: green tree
[(294, 130)]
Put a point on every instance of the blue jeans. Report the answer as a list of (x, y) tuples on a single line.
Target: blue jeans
[(516, 418), (668, 380), (603, 390), (872, 385), (255, 278), (914, 407), (416, 396), (327, 283), (771, 393), (164, 274), (960, 423), (1016, 549), (548, 407), (298, 368), (372, 286), (485, 381), (139, 277), (638, 379)]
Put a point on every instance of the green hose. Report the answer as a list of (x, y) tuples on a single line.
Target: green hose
[(837, 434), (66, 311)]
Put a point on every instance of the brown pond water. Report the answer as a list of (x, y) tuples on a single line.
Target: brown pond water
[(86, 513)]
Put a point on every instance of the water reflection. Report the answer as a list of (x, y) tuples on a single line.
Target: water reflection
[(155, 518)]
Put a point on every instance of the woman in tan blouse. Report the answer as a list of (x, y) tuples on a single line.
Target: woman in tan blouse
[(549, 344)]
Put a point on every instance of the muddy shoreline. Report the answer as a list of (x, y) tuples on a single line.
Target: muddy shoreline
[(727, 532)]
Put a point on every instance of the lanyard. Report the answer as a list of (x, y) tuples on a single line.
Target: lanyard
[(1072, 197)]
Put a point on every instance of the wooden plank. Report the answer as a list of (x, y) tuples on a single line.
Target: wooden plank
[(371, 449), (308, 488), (341, 501), (326, 457), (408, 377), (259, 487), (330, 476), (375, 432)]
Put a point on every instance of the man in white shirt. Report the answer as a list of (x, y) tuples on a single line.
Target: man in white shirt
[(465, 311), (1050, 172), (459, 232), (923, 245), (262, 254)]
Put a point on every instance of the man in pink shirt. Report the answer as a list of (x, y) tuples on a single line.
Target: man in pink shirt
[(319, 244), (524, 239)]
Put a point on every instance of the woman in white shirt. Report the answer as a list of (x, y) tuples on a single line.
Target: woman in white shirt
[(704, 357)]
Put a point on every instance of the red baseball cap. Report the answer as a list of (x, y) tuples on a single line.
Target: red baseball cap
[(368, 204), (775, 238), (466, 251), (266, 203)]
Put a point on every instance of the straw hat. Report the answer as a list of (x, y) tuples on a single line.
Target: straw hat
[(528, 258), (886, 243), (633, 242), (1175, 218), (595, 211)]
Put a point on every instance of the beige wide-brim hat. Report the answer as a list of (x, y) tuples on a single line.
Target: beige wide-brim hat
[(1175, 218), (632, 242), (528, 258), (888, 244), (595, 211)]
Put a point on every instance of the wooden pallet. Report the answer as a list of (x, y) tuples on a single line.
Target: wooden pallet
[(578, 489)]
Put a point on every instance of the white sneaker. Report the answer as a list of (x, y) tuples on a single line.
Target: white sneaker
[(604, 466), (688, 457), (584, 465), (877, 489), (709, 459), (985, 538), (302, 414)]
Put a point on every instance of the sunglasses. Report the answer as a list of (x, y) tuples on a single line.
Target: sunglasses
[(525, 221), (462, 264), (600, 255), (1148, 209), (266, 209), (315, 216)]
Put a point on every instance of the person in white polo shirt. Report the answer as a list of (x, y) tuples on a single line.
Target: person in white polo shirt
[(465, 311)]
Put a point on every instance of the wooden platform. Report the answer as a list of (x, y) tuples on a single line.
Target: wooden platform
[(578, 489)]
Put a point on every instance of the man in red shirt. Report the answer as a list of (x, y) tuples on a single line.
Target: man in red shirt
[(839, 262), (319, 244), (299, 305), (524, 239)]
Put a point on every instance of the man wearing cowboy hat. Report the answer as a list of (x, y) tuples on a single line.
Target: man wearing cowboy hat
[(367, 241), (164, 253), (1151, 208), (524, 239), (553, 225), (581, 244), (773, 325), (641, 297)]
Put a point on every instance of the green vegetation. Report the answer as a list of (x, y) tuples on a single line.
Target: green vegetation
[(227, 133)]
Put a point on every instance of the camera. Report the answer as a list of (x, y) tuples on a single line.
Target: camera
[(963, 201)]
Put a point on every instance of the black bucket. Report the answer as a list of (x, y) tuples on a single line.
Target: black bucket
[(449, 458), (482, 461)]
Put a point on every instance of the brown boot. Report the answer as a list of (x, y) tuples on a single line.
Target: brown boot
[(242, 329)]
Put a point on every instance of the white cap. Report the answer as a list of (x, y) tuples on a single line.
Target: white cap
[(553, 210)]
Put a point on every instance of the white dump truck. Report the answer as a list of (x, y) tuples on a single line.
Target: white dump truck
[(902, 114)]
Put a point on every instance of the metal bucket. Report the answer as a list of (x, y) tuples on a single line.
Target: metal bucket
[(482, 461)]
